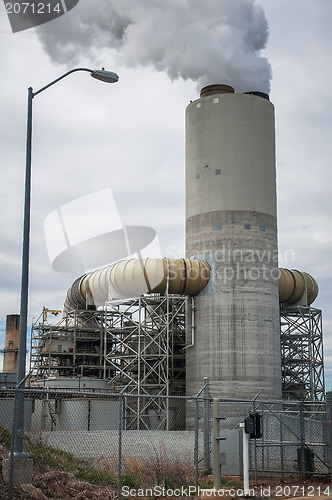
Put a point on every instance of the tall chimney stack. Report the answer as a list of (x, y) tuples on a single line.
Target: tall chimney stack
[(231, 222), (11, 343)]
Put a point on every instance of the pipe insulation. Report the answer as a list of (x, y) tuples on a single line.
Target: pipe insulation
[(135, 277), (294, 284)]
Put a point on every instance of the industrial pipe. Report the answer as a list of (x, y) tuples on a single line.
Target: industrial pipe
[(294, 284), (135, 277)]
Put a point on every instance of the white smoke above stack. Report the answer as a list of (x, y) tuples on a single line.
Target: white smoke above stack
[(207, 41)]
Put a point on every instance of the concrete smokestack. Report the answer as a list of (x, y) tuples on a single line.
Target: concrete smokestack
[(10, 357), (231, 222)]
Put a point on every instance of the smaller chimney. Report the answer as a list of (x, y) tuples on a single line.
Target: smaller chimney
[(216, 89), (10, 357)]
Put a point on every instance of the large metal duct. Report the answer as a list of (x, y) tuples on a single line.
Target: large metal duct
[(135, 277), (181, 276), (231, 221), (293, 285)]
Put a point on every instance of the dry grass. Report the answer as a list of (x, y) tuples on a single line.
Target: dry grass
[(155, 468), (60, 476)]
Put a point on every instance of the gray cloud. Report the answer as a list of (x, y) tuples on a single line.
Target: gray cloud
[(207, 42), (130, 137)]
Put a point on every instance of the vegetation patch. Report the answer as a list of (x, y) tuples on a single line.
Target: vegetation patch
[(5, 437), (156, 468), (48, 457)]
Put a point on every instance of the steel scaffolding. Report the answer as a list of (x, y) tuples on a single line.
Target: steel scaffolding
[(302, 361), (137, 345), (74, 347), (147, 356)]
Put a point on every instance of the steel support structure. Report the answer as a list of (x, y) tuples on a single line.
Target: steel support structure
[(302, 359), (75, 346), (137, 345), (147, 356)]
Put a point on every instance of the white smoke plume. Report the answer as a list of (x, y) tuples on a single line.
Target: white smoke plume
[(207, 41)]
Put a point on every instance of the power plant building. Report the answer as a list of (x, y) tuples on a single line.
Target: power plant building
[(225, 311)]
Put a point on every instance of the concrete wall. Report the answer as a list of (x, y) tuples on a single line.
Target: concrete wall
[(7, 413), (75, 415), (143, 444)]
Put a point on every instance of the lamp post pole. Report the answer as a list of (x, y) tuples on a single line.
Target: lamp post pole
[(18, 419)]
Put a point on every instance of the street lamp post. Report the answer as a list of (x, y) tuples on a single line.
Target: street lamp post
[(18, 420)]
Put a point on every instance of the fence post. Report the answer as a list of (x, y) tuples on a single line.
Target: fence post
[(196, 441), (18, 468), (11, 455), (282, 461), (302, 442), (120, 444), (245, 458), (216, 464), (250, 447), (329, 426), (207, 461)]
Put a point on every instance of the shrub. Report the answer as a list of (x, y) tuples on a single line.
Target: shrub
[(5, 437)]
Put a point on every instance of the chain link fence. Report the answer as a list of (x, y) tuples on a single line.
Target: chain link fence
[(125, 440), (294, 437)]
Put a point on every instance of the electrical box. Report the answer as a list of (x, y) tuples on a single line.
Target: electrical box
[(305, 460), (222, 458), (253, 425), (249, 425)]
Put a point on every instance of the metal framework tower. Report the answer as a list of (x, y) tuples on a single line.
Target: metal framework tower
[(74, 347), (137, 345), (302, 360), (147, 356)]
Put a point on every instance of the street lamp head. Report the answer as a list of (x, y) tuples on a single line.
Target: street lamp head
[(105, 76)]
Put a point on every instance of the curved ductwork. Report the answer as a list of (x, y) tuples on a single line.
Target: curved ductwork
[(294, 284), (135, 277)]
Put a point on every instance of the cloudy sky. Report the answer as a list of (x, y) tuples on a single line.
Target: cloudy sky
[(128, 137)]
